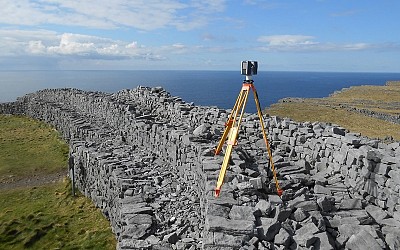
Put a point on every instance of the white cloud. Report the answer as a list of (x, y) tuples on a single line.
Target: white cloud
[(286, 40), (104, 14), (303, 43), (77, 46), (51, 44), (36, 47)]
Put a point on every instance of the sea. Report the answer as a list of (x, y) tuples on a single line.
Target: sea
[(209, 88)]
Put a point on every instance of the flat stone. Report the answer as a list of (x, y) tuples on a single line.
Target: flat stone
[(274, 199), (309, 228), (305, 236), (283, 238), (390, 222), (257, 183), (224, 200), (324, 241), (135, 231), (347, 230), (377, 213), (139, 219), (243, 213), (393, 241), (326, 204), (268, 229), (308, 205), (300, 215), (221, 224), (264, 206), (354, 217), (133, 244), (281, 213), (348, 204), (229, 241), (319, 189), (217, 210), (202, 131), (362, 241)]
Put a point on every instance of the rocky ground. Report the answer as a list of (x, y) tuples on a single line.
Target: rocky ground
[(146, 159)]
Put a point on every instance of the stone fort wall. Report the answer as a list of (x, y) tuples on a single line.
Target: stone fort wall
[(145, 159)]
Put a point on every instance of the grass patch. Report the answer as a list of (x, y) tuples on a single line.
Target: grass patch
[(334, 109), (45, 217), (367, 126), (377, 94), (29, 147), (48, 217)]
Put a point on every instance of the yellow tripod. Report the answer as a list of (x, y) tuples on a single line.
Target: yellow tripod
[(232, 130)]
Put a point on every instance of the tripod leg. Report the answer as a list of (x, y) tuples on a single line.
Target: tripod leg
[(229, 123), (232, 140), (278, 189), (222, 172)]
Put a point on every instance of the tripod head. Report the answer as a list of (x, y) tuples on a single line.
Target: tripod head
[(249, 68)]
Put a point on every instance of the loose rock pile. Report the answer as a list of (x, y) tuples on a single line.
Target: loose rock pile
[(146, 159)]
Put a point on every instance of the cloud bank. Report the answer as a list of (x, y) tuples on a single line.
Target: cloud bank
[(104, 14)]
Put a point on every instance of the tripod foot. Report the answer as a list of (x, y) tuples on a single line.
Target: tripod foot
[(217, 192)]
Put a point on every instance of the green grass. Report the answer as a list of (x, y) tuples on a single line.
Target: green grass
[(355, 122), (384, 99), (28, 147), (48, 217), (44, 217)]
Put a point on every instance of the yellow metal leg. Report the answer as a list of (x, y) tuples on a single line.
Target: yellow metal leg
[(228, 153), (229, 123), (278, 189), (232, 131)]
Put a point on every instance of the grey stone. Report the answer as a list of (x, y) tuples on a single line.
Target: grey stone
[(393, 241), (217, 210), (135, 231), (308, 228), (305, 236), (307, 205), (282, 213), (347, 230), (283, 238), (135, 155), (139, 219), (256, 182), (268, 229), (300, 215), (318, 189), (226, 240), (171, 238), (362, 241), (326, 204), (243, 213), (202, 130), (324, 241), (264, 206), (377, 213), (348, 204), (220, 224)]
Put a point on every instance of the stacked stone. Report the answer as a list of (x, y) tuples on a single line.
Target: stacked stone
[(146, 159)]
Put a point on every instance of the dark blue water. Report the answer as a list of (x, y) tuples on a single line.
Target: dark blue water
[(212, 88)]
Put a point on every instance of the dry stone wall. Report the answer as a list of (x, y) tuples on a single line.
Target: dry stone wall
[(146, 160)]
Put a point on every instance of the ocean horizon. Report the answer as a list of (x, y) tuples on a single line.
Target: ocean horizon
[(207, 88)]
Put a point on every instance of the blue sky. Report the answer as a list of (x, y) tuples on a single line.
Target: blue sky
[(299, 35)]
